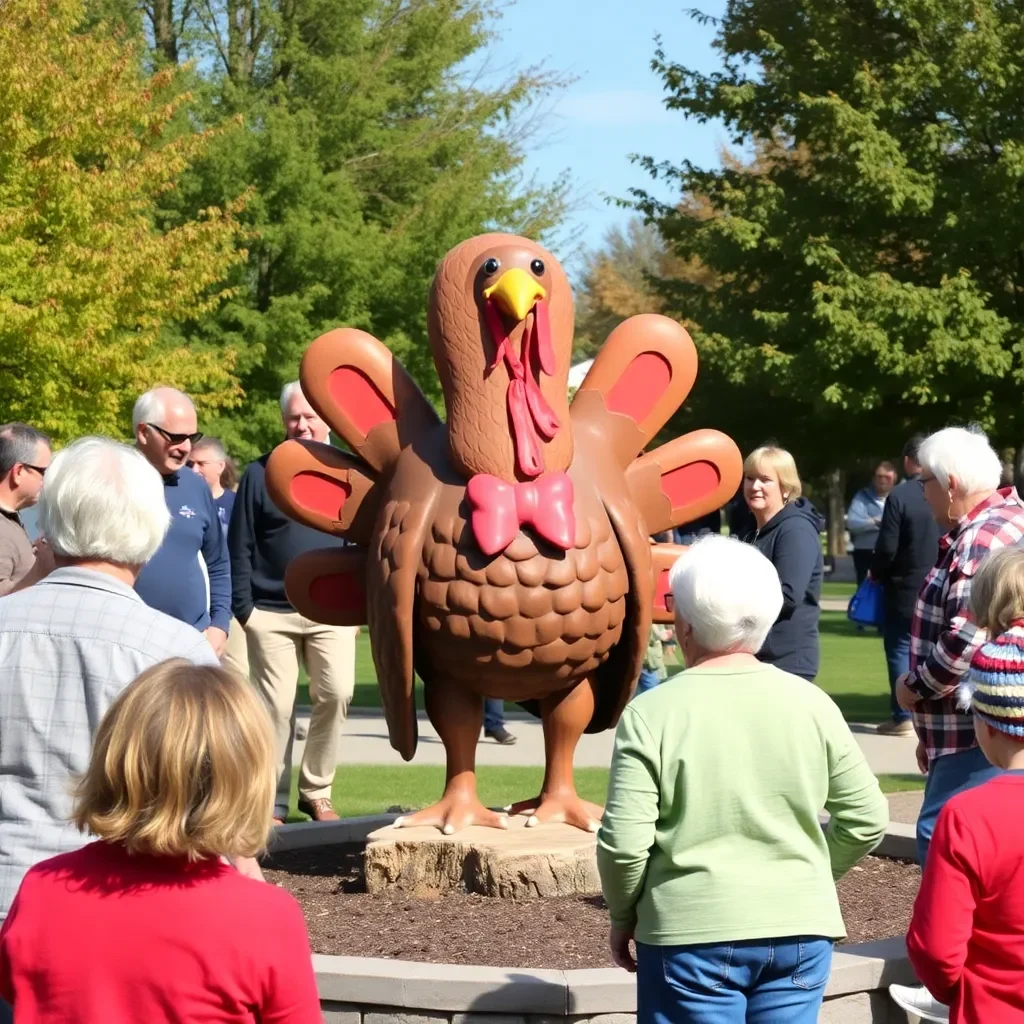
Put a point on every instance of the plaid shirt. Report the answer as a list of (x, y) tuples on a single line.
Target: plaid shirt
[(68, 647), (942, 639)]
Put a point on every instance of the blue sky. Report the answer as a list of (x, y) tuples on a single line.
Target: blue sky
[(614, 107)]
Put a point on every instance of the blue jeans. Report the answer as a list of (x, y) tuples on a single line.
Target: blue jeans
[(494, 713), (896, 641), (948, 776), (648, 681), (763, 981)]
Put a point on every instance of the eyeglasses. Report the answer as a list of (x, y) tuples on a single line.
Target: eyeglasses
[(176, 438), (41, 470)]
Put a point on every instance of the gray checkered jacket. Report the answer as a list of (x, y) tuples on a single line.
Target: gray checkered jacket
[(68, 646)]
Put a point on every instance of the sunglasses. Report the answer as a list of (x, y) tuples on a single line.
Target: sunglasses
[(176, 438), (41, 470)]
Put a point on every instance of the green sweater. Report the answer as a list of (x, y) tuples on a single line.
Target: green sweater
[(711, 830)]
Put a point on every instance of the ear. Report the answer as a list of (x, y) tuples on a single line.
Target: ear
[(685, 479), (329, 585), (365, 395), (324, 488), (640, 377)]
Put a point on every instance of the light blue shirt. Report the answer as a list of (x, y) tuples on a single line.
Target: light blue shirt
[(68, 646)]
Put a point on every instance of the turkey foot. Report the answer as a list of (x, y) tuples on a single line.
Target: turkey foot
[(565, 716), (560, 807), (456, 810)]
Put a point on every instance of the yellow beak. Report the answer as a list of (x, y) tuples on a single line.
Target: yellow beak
[(516, 292)]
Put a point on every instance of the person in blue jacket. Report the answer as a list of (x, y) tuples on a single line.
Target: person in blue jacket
[(174, 581), (788, 533), (864, 517)]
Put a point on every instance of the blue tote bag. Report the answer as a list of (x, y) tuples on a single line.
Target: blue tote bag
[(867, 606)]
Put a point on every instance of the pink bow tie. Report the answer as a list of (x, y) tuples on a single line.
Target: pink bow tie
[(499, 509)]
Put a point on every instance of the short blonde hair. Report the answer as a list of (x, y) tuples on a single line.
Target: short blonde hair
[(779, 462), (183, 765), (997, 591)]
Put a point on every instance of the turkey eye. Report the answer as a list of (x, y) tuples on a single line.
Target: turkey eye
[(491, 266), (537, 266)]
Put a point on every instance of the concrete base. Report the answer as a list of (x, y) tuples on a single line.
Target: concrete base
[(556, 860)]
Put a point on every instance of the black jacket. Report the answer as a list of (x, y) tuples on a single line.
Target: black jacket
[(791, 541), (262, 540), (907, 546)]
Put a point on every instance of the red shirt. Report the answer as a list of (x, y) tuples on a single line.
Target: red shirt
[(103, 935), (966, 939)]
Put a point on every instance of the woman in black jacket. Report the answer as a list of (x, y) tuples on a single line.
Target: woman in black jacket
[(788, 534)]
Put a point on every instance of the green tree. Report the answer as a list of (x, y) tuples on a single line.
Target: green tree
[(88, 280), (868, 279), (371, 149)]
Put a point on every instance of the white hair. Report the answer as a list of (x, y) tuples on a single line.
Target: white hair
[(103, 501), (151, 407), (962, 453), (292, 388), (728, 593)]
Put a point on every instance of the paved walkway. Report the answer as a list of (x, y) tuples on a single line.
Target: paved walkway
[(366, 742)]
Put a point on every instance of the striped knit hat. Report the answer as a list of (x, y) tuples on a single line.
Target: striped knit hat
[(996, 682)]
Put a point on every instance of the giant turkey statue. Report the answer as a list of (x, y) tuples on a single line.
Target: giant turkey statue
[(505, 552)]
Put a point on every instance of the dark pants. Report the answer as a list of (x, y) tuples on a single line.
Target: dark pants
[(648, 681), (763, 981), (947, 776), (861, 563), (896, 641), (494, 716)]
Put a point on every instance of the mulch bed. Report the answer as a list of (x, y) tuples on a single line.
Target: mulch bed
[(559, 934)]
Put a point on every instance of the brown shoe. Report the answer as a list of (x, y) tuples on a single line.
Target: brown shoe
[(894, 728), (320, 809), (278, 821)]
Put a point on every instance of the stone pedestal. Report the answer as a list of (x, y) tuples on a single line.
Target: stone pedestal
[(547, 860)]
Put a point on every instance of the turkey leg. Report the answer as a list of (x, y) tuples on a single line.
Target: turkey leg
[(565, 716), (457, 715)]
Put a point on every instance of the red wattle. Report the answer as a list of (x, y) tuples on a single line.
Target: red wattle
[(529, 460), (502, 346), (544, 417), (542, 338)]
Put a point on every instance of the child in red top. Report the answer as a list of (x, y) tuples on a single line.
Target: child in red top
[(966, 939), (152, 923)]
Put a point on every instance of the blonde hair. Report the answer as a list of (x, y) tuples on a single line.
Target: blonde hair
[(997, 591), (779, 462), (183, 765)]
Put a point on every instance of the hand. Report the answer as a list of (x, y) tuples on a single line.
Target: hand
[(618, 942), (218, 639), (905, 697), (922, 757), (43, 565)]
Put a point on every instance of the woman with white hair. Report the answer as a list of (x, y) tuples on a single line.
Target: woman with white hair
[(961, 474), (711, 854)]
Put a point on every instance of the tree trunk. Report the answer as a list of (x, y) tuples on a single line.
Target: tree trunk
[(836, 513), (165, 35)]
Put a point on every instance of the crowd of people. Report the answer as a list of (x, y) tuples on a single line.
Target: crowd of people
[(149, 664), (714, 867)]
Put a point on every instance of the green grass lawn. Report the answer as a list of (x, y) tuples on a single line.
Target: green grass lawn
[(837, 590), (852, 670), (372, 789)]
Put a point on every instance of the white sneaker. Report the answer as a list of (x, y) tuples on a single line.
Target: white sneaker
[(920, 1002)]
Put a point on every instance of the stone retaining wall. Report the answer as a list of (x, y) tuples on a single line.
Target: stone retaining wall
[(364, 990)]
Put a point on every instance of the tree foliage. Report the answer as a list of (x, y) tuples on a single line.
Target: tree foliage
[(371, 148), (88, 279), (868, 273)]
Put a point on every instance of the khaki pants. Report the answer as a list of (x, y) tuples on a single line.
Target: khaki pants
[(277, 643), (236, 652)]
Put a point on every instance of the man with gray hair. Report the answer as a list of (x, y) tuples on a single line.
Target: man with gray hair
[(262, 541), (164, 421), (24, 459), (73, 641)]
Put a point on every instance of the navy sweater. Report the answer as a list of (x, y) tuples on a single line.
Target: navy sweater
[(262, 540), (174, 582), (790, 541)]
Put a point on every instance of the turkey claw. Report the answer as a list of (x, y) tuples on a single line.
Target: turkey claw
[(568, 809), (451, 814)]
